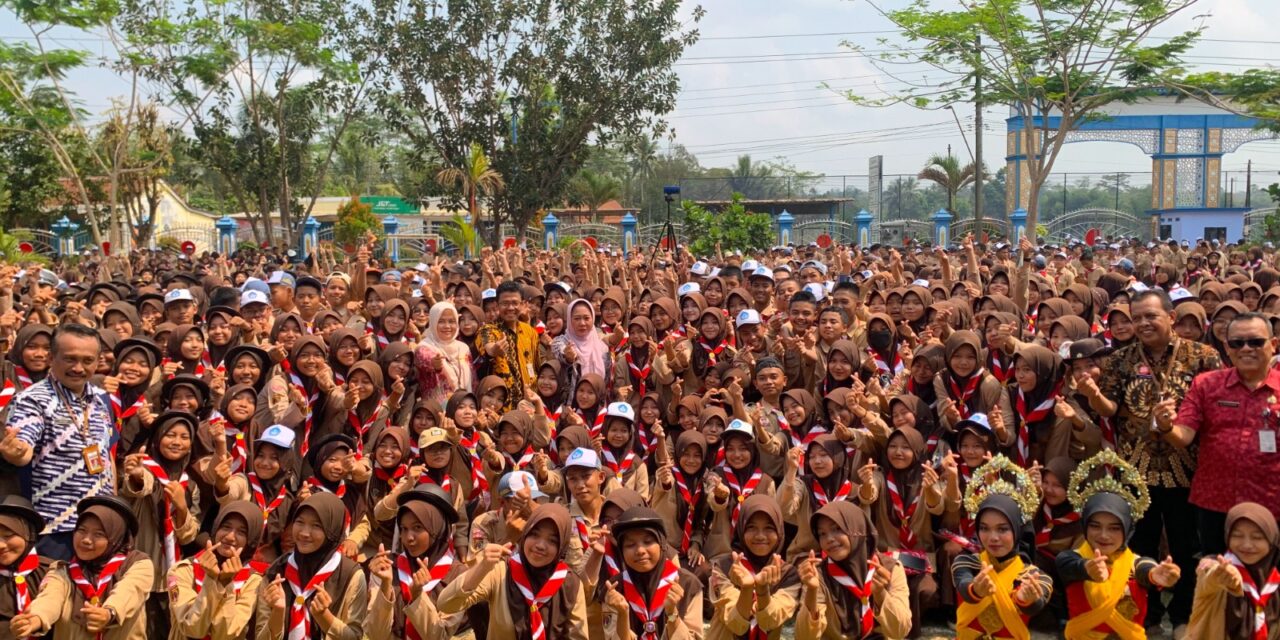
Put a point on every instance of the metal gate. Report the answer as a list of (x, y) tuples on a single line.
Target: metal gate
[(42, 242), (841, 232), (205, 238), (1111, 222)]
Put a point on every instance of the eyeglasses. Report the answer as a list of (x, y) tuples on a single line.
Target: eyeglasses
[(1239, 343)]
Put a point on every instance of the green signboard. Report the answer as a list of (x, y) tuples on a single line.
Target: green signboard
[(390, 205)]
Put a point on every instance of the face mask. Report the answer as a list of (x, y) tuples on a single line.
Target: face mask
[(880, 340)]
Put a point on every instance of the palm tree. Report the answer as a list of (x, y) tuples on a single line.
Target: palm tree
[(592, 190), (948, 174), (749, 178), (474, 178), (461, 234)]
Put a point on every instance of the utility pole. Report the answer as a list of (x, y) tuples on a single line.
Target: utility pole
[(1248, 184), (977, 136)]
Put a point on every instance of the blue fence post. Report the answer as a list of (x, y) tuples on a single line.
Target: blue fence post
[(310, 235), (941, 227), (227, 227), (785, 221), (864, 220), (628, 234), (550, 232), (391, 225), (1018, 223), (65, 230)]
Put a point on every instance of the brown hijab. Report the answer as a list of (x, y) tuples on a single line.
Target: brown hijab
[(853, 522), (555, 614), (120, 538)]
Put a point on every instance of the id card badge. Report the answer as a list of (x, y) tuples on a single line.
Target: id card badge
[(1267, 441), (94, 464)]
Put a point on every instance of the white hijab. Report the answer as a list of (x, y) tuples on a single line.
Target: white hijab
[(455, 352)]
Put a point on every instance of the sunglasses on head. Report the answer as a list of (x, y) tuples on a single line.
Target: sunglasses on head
[(1239, 343)]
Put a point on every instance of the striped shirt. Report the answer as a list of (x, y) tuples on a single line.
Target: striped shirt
[(56, 478)]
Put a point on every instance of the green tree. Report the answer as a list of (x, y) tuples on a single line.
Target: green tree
[(535, 83), (461, 234), (1255, 92), (355, 220), (592, 190), (30, 179), (1056, 64), (145, 160), (731, 229), (268, 87), (946, 172), (474, 177)]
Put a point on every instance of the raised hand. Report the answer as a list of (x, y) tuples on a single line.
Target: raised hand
[(598, 539), (984, 584), (615, 600), (1063, 409), (665, 476), (794, 457), (808, 570), (674, 595), (11, 447), (1097, 567), (95, 618), (492, 554), (880, 580), (320, 603), (768, 577), (133, 468), (739, 575), (866, 473), (1166, 574), (24, 625), (421, 577)]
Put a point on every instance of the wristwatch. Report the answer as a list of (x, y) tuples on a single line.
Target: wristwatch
[(115, 616)]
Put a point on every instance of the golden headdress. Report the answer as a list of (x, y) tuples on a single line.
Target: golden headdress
[(1001, 476), (1118, 477)]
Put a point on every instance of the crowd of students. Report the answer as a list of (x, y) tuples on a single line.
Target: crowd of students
[(842, 442)]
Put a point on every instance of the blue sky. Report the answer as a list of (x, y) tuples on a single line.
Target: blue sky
[(775, 108)]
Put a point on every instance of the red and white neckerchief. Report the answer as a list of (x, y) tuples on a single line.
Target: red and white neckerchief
[(1044, 535), (863, 593), (22, 588), (553, 416), (713, 353), (640, 377), (742, 491), (339, 377), (678, 331), (206, 363), (596, 425), (117, 404), (94, 594), (820, 495), (341, 491), (404, 578), (690, 498), (24, 378), (648, 441), (1031, 320), (535, 601), (882, 367), (785, 427), (238, 442), (1028, 418), (308, 413), (384, 341), (526, 458), (906, 536), (171, 554), (9, 390), (754, 632), (1257, 597), (1000, 370), (260, 498), (237, 582), (299, 612), (361, 428), (446, 485), (619, 469), (479, 485), (961, 396), (392, 478), (540, 328), (650, 612)]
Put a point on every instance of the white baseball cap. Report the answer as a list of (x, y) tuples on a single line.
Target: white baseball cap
[(738, 426), (489, 294), (583, 457), (762, 272), (279, 435), (253, 296), (819, 292), (688, 288), (749, 266), (178, 295), (700, 268), (621, 410), (517, 480), (747, 316)]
